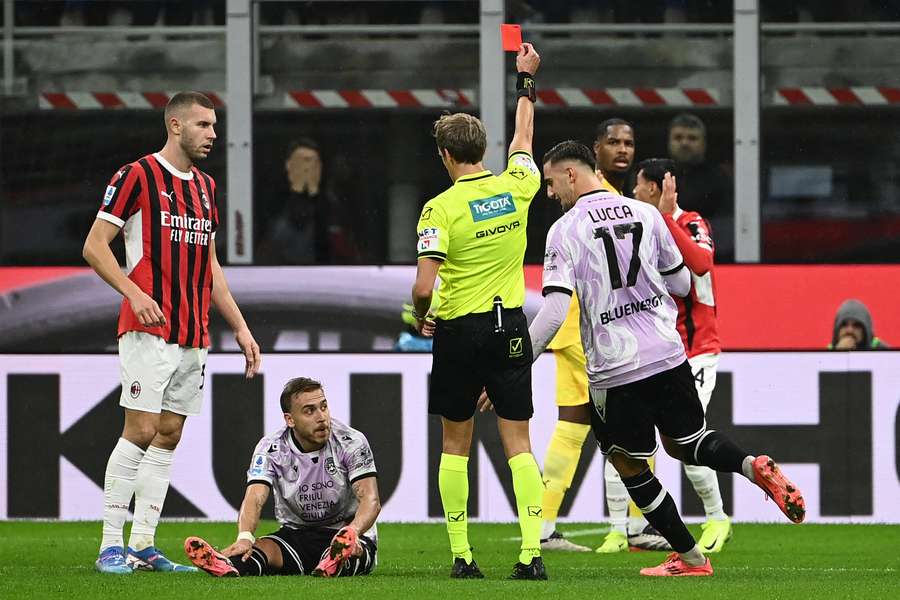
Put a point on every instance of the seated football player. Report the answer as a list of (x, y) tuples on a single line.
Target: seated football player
[(326, 498)]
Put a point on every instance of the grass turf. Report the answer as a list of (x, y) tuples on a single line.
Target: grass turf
[(45, 560)]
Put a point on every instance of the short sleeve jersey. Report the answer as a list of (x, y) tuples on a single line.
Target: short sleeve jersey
[(613, 252), (477, 229), (313, 489), (569, 334), (168, 220)]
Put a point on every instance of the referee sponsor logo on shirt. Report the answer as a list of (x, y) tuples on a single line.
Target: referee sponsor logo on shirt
[(426, 214), (428, 239), (501, 228), (490, 208)]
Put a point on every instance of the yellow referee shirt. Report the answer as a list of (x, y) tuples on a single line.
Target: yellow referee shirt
[(570, 333), (477, 228)]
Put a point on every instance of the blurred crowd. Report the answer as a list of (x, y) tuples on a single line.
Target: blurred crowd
[(212, 12)]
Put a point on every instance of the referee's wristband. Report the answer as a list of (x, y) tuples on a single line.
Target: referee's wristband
[(525, 87), (246, 535)]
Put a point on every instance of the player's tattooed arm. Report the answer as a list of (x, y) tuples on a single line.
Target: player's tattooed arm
[(248, 519), (366, 491)]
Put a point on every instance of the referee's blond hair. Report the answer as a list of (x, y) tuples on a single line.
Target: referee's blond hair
[(462, 135)]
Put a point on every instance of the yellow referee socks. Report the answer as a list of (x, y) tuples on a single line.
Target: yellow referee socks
[(453, 482), (560, 464), (528, 488)]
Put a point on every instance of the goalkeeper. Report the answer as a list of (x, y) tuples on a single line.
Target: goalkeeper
[(322, 474)]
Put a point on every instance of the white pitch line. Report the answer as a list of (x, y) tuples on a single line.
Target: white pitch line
[(567, 533)]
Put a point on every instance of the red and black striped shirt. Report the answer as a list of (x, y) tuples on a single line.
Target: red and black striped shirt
[(169, 219)]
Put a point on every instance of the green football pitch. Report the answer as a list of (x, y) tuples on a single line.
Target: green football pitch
[(55, 560)]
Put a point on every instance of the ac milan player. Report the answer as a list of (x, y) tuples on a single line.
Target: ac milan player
[(619, 256), (696, 322), (166, 209), (323, 476)]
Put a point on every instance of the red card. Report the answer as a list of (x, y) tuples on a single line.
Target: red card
[(512, 37)]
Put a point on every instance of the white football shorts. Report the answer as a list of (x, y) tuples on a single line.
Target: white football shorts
[(159, 376), (704, 366)]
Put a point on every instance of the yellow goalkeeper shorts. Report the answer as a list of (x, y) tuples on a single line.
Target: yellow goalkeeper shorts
[(571, 378)]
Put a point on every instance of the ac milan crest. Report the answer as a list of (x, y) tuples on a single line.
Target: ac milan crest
[(135, 389)]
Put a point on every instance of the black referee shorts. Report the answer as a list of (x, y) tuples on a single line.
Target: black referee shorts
[(302, 549), (468, 356), (624, 417)]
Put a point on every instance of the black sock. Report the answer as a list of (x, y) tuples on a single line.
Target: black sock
[(659, 509), (717, 452), (362, 564), (257, 564)]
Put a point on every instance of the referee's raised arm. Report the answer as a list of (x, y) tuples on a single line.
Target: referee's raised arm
[(474, 235), (527, 63)]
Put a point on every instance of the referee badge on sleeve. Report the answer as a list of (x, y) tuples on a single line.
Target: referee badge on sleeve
[(428, 239), (523, 160)]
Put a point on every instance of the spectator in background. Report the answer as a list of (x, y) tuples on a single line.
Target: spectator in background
[(853, 328), (702, 187), (146, 13), (307, 225)]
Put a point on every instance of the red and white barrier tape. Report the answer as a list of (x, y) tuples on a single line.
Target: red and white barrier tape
[(466, 98)]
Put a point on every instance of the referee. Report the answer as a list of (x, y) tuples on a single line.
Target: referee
[(473, 234)]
